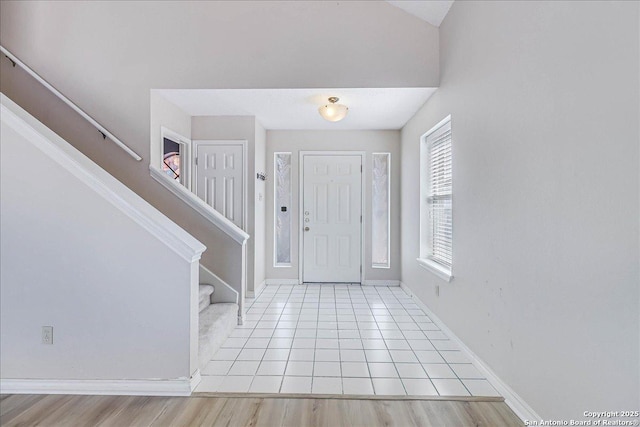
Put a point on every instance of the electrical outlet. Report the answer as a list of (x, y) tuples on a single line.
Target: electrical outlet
[(47, 335), (437, 290)]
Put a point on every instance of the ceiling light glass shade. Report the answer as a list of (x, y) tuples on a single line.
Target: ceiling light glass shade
[(333, 112)]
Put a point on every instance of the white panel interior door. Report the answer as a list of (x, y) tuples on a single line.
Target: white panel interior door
[(219, 179), (331, 227)]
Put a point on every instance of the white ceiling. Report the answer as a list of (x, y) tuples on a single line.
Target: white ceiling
[(380, 108), (432, 11)]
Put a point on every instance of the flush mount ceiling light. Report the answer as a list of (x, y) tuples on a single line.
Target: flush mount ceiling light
[(332, 111)]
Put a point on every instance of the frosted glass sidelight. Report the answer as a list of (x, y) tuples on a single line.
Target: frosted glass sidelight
[(380, 211), (282, 206)]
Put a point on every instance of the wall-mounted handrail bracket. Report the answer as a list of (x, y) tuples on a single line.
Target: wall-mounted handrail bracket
[(13, 63), (105, 133)]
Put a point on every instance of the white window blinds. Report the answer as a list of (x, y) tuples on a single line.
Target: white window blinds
[(439, 196)]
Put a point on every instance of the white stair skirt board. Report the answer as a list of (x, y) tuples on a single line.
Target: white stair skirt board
[(176, 387), (282, 282), (109, 188), (223, 291), (511, 398), (381, 283)]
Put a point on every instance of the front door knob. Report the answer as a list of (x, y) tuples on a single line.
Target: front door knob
[(306, 229)]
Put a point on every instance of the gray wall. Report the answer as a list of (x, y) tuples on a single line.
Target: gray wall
[(56, 115), (107, 56), (165, 114), (367, 141), (545, 109), (259, 234)]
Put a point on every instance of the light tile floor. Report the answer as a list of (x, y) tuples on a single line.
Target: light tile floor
[(340, 339)]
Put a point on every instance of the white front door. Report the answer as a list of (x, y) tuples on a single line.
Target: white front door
[(219, 176), (331, 224)]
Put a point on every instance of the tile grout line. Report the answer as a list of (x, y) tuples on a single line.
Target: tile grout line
[(385, 342), (256, 327), (366, 362), (271, 338), (280, 299), (443, 358), (413, 351)]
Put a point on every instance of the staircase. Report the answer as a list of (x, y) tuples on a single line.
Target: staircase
[(217, 321), (83, 253), (104, 230)]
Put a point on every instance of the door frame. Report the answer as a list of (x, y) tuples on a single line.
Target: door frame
[(196, 143), (363, 156)]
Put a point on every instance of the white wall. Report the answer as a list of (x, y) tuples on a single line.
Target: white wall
[(544, 98), (119, 298), (259, 234), (367, 141)]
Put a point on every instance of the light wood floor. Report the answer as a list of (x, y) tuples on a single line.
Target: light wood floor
[(121, 411)]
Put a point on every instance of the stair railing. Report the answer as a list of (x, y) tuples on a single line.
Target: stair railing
[(105, 133), (216, 218)]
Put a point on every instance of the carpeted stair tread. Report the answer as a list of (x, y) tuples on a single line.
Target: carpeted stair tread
[(204, 299), (217, 321)]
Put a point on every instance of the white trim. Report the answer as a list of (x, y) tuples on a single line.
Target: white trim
[(435, 268), (436, 127), (425, 249), (96, 178), (258, 289), (224, 292), (363, 179), (254, 293), (216, 218), (388, 264), (196, 143), (381, 283), (281, 282), (243, 282), (277, 264), (511, 398), (195, 380), (67, 101), (176, 387), (187, 163)]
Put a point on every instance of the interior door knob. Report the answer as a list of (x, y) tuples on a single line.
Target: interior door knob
[(306, 229)]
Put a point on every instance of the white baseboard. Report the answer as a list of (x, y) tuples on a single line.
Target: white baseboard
[(381, 283), (511, 398), (177, 387), (254, 293), (364, 283), (195, 380), (259, 288), (282, 282)]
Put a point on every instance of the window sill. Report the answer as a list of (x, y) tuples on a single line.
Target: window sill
[(435, 268)]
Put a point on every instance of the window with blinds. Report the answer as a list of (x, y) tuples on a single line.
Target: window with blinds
[(436, 206)]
